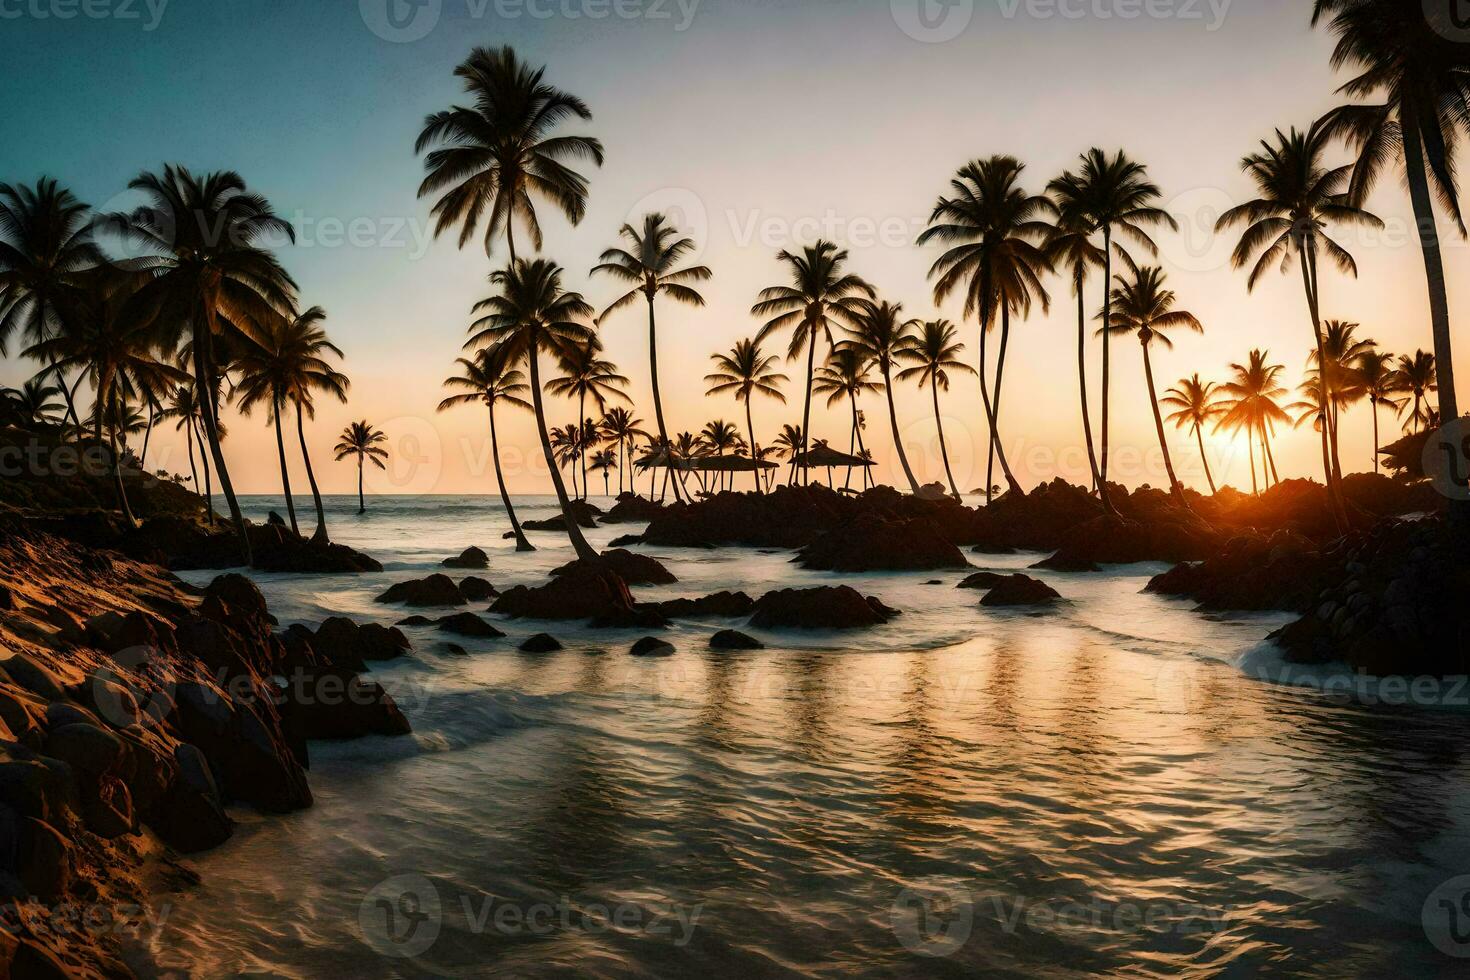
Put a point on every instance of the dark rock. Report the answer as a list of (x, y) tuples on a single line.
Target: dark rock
[(824, 607), (633, 569), (31, 675), (469, 558), (630, 508), (576, 593), (734, 640), (456, 650), (540, 643), (436, 590), (191, 816), (44, 860), (332, 703), (476, 589), (7, 599), (415, 620), (468, 624), (874, 543), (1020, 590), (623, 540), (276, 519), (86, 748), (652, 646), (342, 643), (982, 580), (721, 604)]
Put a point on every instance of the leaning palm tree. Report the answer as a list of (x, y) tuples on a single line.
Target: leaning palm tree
[(490, 160), (204, 242), (621, 427), (531, 313), (1418, 377), (820, 294), (364, 442), (933, 352), (1251, 404), (1113, 196), (650, 266), (993, 229), (487, 380), (1143, 307), (746, 371), (1412, 56), (1380, 385), (1195, 402), (847, 374), (1299, 196), (878, 336), (585, 374), (46, 246)]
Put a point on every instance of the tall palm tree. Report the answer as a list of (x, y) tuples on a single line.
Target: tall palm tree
[(531, 313), (820, 294), (604, 461), (621, 427), (1114, 196), (650, 266), (46, 245), (1251, 404), (566, 446), (933, 352), (488, 380), (1410, 55), (204, 242), (492, 160), (584, 374), (879, 334), (363, 441), (1380, 384), (1195, 402), (847, 374), (1299, 196), (993, 229), (745, 370), (1419, 378), (1143, 307)]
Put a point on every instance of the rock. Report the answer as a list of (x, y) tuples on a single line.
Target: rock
[(36, 789), (108, 811), (982, 580), (623, 540), (932, 491), (1106, 540), (31, 675), (469, 558), (454, 649), (436, 590), (723, 604), (652, 646), (541, 643), (734, 640), (468, 624), (576, 593), (824, 607), (415, 620), (191, 816), (44, 860), (633, 569), (632, 508), (274, 518), (86, 748), (476, 589), (7, 599), (330, 703), (1020, 590), (342, 643), (1250, 572)]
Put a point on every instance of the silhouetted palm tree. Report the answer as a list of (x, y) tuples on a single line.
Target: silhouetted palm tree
[(488, 381), (1143, 307), (622, 428), (32, 401), (1195, 402), (878, 335), (847, 374), (820, 293), (1419, 378), (1341, 347), (1251, 405), (364, 442), (586, 374), (492, 159), (933, 352), (183, 408), (604, 461), (790, 443), (722, 438), (1380, 384), (529, 314), (745, 370), (993, 229)]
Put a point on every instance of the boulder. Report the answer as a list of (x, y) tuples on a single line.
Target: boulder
[(469, 558), (734, 640), (638, 617), (415, 620), (31, 675), (576, 593), (1020, 590), (652, 646), (191, 815), (332, 703), (982, 580), (633, 569), (720, 604), (340, 642), (476, 589), (823, 607), (540, 643), (468, 624), (1109, 540), (630, 507), (875, 543), (436, 590)]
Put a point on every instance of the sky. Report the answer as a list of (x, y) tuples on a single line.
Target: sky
[(758, 124)]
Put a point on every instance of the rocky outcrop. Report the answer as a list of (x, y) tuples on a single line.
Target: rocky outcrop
[(468, 624), (874, 543), (471, 558), (634, 569), (436, 590), (1252, 571), (182, 544), (584, 513), (476, 589), (652, 646), (1020, 590), (632, 508), (824, 607), (340, 642), (540, 643), (734, 640), (1110, 540), (583, 592), (982, 580), (720, 604)]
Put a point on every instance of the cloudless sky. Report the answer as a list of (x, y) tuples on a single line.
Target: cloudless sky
[(761, 125)]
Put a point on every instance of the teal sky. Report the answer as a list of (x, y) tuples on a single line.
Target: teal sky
[(764, 125)]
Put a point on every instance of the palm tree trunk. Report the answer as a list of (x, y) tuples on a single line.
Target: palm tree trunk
[(208, 471), (1102, 486), (361, 500), (522, 544), (1323, 390), (319, 536), (755, 451), (1000, 373), (582, 438), (147, 436), (939, 427), (1270, 455), (658, 403), (71, 406), (1250, 446), (285, 474), (574, 531), (117, 480), (857, 428), (204, 376), (1082, 387), (1000, 452), (1375, 436), (903, 458), (1204, 459), (193, 470), (1153, 401), (806, 411)]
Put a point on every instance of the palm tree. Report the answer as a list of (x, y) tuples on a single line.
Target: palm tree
[(1114, 196), (1300, 195), (933, 352), (1251, 405), (488, 380), (1418, 377), (1144, 307), (620, 426), (649, 265), (603, 461), (1341, 348), (820, 293), (992, 227), (745, 371), (529, 314), (46, 244), (584, 374), (847, 374), (363, 441), (1195, 402), (879, 334), (204, 243), (1380, 384), (720, 438), (32, 400), (183, 408), (1411, 56), (566, 446), (492, 159), (790, 443)]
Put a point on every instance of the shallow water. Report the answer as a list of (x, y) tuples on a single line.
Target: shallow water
[(1102, 788)]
